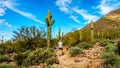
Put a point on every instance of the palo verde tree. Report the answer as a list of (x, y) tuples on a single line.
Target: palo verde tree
[(28, 37), (49, 23)]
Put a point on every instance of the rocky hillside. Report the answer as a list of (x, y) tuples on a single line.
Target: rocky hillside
[(114, 15), (106, 27)]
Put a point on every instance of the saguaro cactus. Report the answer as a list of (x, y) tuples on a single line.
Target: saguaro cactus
[(62, 34), (59, 34), (92, 34), (49, 23), (2, 39), (80, 35)]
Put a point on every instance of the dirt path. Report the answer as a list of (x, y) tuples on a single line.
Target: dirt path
[(89, 59)]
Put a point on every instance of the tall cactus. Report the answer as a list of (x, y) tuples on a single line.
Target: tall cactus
[(92, 32), (59, 34), (2, 39), (62, 34), (80, 35), (49, 23)]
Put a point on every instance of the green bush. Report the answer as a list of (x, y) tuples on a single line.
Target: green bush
[(34, 57), (38, 56), (107, 42), (4, 58), (75, 51), (85, 45), (6, 66), (53, 60), (111, 56), (19, 58), (10, 48), (1, 51), (110, 48)]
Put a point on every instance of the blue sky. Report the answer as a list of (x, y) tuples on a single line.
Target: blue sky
[(69, 15)]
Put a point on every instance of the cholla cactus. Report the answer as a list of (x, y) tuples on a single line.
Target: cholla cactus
[(49, 23), (92, 34)]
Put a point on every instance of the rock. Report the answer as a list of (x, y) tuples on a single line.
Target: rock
[(42, 65), (77, 60), (98, 44), (57, 61), (63, 53)]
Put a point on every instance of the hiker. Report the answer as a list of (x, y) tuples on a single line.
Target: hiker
[(60, 45)]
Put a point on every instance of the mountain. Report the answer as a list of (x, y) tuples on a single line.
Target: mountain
[(114, 15), (107, 27)]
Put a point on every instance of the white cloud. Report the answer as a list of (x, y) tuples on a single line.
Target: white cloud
[(2, 9), (4, 22), (63, 5), (106, 6), (11, 5), (74, 18), (85, 14)]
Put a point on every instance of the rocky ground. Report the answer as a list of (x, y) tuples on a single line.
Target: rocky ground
[(89, 59)]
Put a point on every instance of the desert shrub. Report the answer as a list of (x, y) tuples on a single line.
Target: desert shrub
[(85, 45), (38, 56), (75, 51), (4, 58), (53, 60), (110, 48), (19, 58), (9, 47), (118, 46), (107, 42), (34, 57), (111, 56), (6, 66), (1, 51), (41, 43)]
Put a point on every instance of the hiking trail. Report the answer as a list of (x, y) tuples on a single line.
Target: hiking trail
[(89, 59)]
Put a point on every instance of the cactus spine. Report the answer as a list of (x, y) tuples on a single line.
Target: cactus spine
[(49, 23), (92, 32)]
